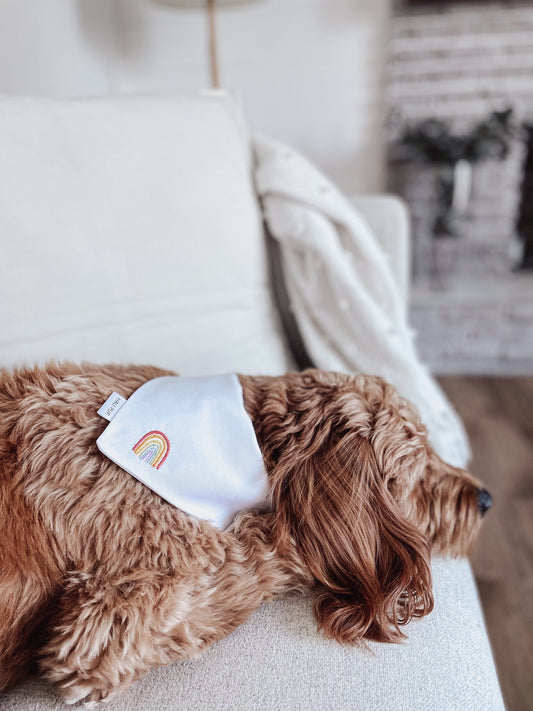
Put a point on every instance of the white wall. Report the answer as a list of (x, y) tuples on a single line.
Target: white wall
[(310, 72)]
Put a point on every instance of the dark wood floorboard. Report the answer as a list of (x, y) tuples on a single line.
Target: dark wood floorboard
[(498, 413)]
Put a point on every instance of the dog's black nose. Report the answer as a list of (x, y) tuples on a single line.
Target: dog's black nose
[(484, 501)]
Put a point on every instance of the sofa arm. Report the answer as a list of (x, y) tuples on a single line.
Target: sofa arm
[(388, 218)]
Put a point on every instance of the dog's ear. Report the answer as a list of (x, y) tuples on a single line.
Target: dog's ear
[(371, 562)]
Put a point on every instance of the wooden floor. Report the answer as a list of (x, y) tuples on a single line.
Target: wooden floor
[(498, 413)]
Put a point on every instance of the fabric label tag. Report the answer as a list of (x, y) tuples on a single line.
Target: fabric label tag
[(111, 406)]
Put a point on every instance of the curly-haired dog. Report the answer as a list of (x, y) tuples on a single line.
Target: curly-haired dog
[(101, 579)]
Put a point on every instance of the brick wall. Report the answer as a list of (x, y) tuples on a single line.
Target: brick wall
[(459, 64)]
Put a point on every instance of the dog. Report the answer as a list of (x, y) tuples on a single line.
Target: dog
[(101, 579)]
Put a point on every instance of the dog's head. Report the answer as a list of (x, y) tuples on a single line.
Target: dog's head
[(359, 491)]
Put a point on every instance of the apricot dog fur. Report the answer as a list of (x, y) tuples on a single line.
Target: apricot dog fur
[(101, 579)]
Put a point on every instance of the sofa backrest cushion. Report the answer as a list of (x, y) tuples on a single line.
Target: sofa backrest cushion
[(131, 233)]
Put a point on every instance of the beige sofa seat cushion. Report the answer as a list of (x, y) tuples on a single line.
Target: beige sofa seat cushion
[(277, 660)]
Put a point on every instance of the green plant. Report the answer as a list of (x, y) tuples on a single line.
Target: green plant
[(433, 140)]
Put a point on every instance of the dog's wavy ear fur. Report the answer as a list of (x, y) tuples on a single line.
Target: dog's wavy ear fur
[(371, 563)]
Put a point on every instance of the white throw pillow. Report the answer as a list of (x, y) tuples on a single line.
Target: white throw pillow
[(131, 233)]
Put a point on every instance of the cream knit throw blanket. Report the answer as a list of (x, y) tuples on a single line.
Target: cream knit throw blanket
[(343, 293)]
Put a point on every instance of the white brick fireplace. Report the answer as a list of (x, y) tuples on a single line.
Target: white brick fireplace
[(458, 62)]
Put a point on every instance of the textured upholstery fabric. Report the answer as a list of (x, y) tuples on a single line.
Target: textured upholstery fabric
[(277, 660)]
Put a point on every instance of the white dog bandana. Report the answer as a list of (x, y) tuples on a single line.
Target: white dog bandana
[(191, 441)]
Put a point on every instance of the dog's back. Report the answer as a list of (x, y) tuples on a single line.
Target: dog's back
[(47, 418), (92, 561), (28, 572)]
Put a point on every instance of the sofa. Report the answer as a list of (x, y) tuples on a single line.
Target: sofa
[(131, 232)]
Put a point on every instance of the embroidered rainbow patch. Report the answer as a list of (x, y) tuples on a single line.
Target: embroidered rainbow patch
[(153, 448)]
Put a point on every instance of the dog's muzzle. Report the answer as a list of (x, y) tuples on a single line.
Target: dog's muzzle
[(484, 501)]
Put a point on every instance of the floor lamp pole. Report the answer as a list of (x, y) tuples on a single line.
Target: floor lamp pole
[(213, 50)]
